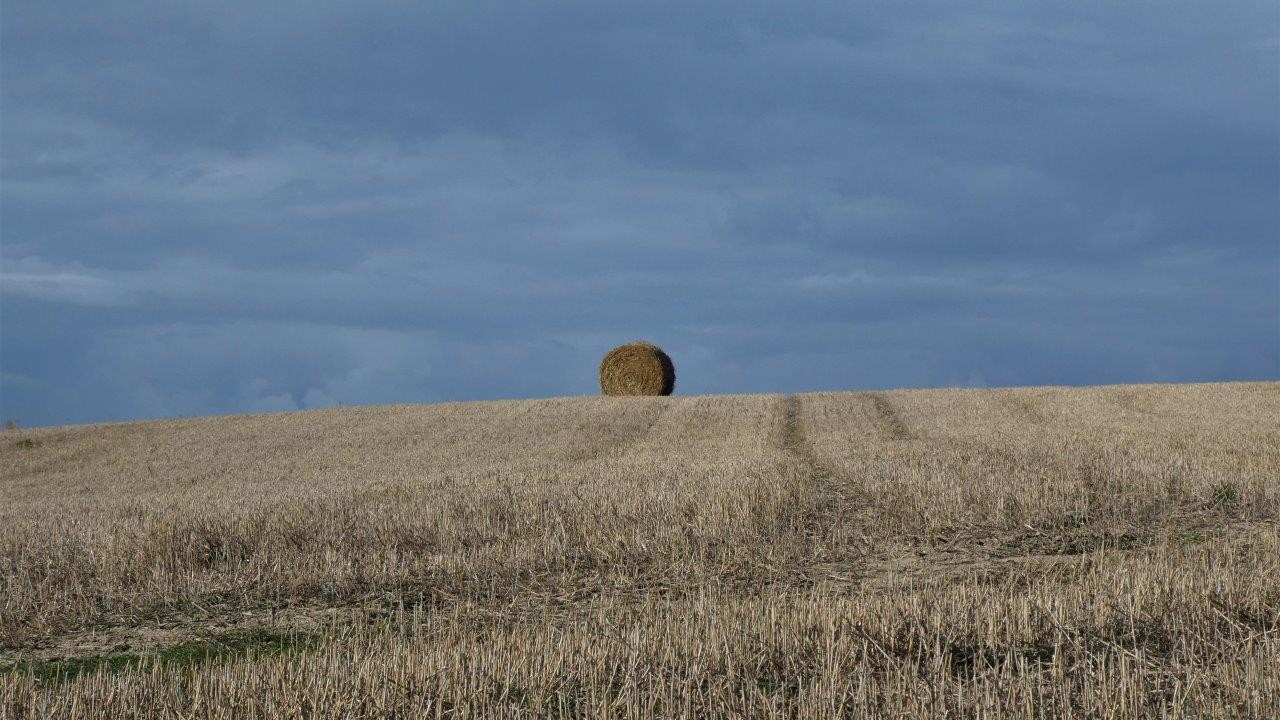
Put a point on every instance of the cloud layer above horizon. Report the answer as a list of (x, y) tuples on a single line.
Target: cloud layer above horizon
[(231, 208)]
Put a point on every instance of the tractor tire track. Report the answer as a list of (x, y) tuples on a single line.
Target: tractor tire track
[(621, 435), (890, 421), (834, 511), (797, 444)]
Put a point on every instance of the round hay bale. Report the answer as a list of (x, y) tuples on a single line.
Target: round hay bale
[(637, 368)]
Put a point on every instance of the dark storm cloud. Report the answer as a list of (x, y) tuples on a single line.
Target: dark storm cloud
[(246, 208)]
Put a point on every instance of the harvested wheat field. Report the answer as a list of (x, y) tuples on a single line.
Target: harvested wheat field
[(1033, 552)]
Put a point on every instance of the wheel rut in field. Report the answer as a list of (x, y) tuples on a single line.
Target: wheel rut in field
[(1022, 405), (889, 419), (653, 418), (622, 437), (849, 551), (834, 510), (795, 442)]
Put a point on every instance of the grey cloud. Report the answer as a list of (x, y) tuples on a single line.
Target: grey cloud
[(29, 277), (313, 203)]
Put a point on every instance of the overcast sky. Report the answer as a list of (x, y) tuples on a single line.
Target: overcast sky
[(238, 206)]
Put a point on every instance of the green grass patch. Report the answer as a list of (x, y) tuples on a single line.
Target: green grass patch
[(1226, 495), (214, 648), (1192, 537)]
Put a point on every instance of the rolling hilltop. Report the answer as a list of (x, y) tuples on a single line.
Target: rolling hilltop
[(1030, 552)]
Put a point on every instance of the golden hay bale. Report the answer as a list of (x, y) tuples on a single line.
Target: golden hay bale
[(637, 368)]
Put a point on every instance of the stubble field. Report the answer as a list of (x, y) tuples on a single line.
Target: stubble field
[(1030, 552)]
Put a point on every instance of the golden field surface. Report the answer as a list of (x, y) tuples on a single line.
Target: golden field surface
[(1030, 552)]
